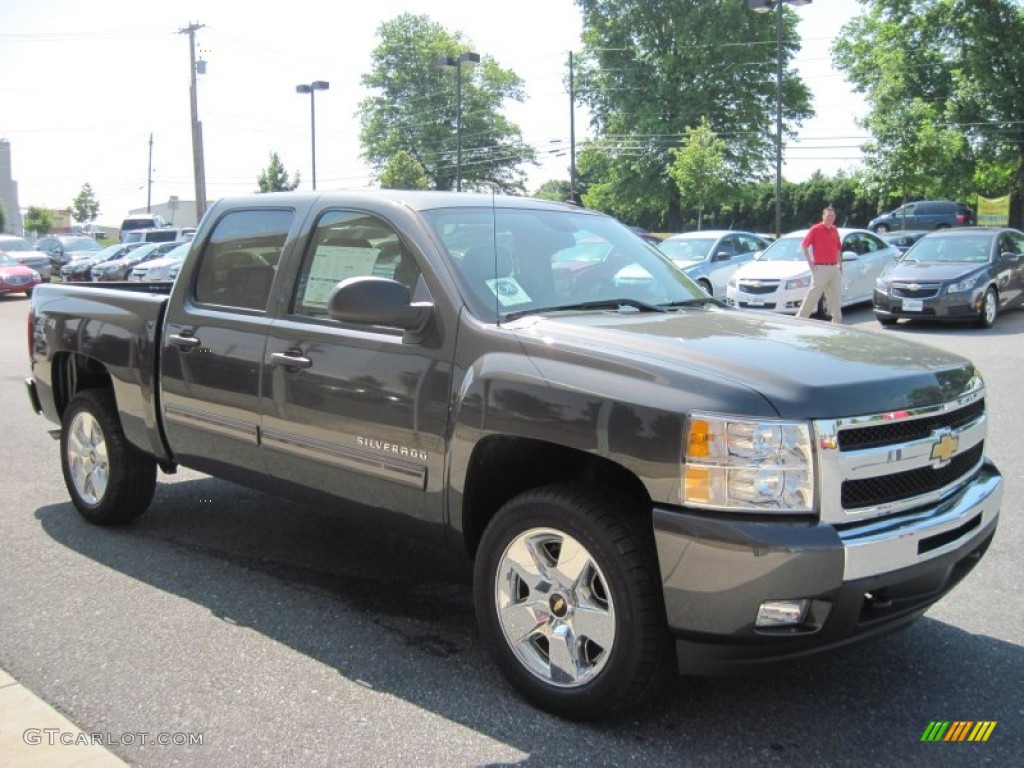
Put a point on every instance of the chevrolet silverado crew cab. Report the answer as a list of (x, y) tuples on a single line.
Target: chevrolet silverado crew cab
[(643, 477)]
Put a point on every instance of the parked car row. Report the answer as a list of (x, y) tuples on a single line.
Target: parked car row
[(117, 262)]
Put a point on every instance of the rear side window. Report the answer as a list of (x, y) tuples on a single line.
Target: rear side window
[(237, 265)]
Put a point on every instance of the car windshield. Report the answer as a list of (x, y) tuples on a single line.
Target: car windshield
[(15, 244), (783, 249), (688, 249), (522, 261), (949, 249)]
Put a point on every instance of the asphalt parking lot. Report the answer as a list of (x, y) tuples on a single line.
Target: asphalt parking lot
[(281, 635)]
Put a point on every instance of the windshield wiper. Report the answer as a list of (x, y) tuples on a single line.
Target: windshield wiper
[(697, 302), (642, 306)]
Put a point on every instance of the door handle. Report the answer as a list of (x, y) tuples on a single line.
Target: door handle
[(290, 361), (186, 342)]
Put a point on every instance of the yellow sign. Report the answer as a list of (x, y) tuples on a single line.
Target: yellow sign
[(994, 212)]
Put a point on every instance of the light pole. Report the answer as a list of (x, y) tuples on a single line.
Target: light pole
[(311, 89), (767, 6), (457, 62)]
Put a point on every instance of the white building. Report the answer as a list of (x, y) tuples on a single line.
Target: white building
[(9, 192)]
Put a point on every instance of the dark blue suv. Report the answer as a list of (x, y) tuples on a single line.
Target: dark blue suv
[(924, 214)]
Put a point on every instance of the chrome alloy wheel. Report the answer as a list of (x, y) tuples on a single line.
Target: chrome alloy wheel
[(554, 607), (87, 458)]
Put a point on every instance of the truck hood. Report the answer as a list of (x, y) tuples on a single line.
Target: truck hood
[(803, 368), (924, 272)]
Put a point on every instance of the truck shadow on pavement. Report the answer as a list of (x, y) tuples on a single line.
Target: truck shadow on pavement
[(396, 615)]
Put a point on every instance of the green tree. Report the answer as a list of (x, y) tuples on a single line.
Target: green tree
[(415, 108), (38, 220), (649, 69), (274, 178), (553, 189), (698, 167), (955, 69), (85, 208), (403, 172)]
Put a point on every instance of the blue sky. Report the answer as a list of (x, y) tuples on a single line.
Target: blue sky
[(84, 85)]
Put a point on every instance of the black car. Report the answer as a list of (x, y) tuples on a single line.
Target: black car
[(924, 214), (966, 274), (80, 269), (119, 268), (65, 248)]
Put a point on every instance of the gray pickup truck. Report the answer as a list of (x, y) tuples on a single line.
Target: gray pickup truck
[(644, 478)]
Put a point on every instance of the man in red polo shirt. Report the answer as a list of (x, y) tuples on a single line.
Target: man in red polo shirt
[(823, 250)]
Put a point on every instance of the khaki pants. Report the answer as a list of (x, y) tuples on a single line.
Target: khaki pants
[(826, 279)]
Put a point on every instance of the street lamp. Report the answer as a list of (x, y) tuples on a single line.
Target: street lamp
[(767, 6), (311, 89), (457, 62)]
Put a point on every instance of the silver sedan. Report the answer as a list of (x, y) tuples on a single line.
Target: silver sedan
[(711, 256)]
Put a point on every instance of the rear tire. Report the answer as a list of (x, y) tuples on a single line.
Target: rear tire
[(110, 481), (881, 229), (568, 599)]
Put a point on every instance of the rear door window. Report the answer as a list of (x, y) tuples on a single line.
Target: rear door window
[(238, 264)]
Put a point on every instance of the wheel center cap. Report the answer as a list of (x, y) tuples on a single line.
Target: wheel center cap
[(558, 605)]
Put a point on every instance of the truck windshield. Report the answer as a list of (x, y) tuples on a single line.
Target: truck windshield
[(512, 262)]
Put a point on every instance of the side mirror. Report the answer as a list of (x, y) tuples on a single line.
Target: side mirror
[(377, 301), (849, 256), (722, 256)]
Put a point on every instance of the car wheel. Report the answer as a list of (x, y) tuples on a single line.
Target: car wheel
[(707, 287), (881, 229), (568, 598), (989, 309), (110, 481)]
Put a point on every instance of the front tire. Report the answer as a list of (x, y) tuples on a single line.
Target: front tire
[(110, 481), (989, 309), (881, 229), (569, 601), (708, 288)]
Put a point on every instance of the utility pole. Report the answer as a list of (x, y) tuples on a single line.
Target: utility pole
[(572, 132), (197, 127), (149, 177)]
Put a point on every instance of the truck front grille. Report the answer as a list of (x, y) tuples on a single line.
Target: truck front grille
[(894, 432), (889, 463), (905, 485)]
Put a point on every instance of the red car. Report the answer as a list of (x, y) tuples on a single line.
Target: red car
[(15, 278)]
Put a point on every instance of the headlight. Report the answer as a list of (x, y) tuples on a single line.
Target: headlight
[(748, 466), (804, 281), (964, 285)]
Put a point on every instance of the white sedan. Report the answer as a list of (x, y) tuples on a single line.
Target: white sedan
[(779, 278)]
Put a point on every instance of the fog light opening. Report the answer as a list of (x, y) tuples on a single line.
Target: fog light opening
[(782, 613)]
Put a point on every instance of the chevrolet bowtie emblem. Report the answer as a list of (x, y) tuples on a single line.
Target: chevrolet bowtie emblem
[(944, 449)]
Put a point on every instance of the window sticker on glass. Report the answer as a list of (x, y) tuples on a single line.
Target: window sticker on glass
[(332, 264), (508, 292)]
